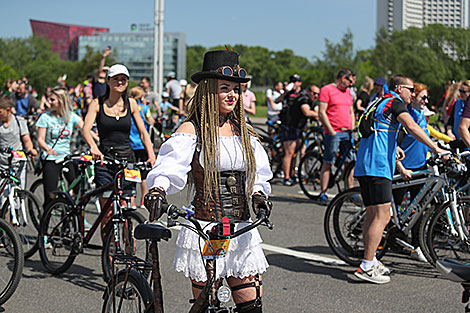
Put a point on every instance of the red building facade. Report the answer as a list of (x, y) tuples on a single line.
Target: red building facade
[(64, 37)]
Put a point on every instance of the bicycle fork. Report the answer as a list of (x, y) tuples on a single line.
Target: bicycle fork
[(455, 219)]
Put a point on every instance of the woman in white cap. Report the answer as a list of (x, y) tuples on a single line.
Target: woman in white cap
[(112, 114), (228, 167)]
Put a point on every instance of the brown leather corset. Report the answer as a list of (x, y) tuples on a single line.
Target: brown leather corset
[(230, 200)]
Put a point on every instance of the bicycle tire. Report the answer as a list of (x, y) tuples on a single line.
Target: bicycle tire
[(309, 174), (137, 296), (442, 242), (342, 225), (139, 247), (28, 230), (10, 250), (37, 188), (423, 232), (59, 230)]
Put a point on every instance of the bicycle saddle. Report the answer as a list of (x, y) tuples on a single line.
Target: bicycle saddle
[(454, 270), (152, 232)]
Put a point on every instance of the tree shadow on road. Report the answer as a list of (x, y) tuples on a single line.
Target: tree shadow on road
[(77, 275), (298, 265), (324, 250), (402, 264), (277, 198)]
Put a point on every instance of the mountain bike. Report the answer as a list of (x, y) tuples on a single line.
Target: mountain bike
[(11, 260), (345, 215), (311, 163), (62, 232), (131, 292), (19, 207), (74, 188)]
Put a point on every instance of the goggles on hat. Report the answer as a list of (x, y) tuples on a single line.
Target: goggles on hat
[(228, 71)]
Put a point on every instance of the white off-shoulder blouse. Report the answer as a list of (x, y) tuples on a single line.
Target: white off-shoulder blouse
[(174, 162)]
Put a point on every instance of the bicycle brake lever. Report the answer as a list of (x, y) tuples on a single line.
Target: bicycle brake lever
[(269, 224)]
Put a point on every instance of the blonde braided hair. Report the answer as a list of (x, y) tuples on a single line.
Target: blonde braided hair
[(204, 111)]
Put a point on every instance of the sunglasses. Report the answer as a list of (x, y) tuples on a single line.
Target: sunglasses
[(410, 88), (228, 71), (425, 98), (463, 91), (315, 93)]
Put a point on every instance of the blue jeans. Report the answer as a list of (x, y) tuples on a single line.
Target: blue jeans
[(332, 145)]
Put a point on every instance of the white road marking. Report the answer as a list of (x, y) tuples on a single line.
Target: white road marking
[(302, 255), (290, 252)]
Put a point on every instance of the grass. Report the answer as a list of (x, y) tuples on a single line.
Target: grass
[(261, 111)]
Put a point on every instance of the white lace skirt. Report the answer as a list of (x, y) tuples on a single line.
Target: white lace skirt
[(244, 258)]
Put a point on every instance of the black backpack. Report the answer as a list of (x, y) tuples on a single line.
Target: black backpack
[(366, 121)]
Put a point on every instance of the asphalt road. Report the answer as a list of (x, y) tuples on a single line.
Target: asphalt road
[(301, 277)]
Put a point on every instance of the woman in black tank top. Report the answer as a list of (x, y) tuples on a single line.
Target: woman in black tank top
[(113, 113)]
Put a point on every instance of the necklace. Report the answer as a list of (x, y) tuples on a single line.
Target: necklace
[(114, 111)]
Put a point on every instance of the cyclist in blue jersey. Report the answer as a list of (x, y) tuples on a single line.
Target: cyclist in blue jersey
[(374, 170), (455, 116)]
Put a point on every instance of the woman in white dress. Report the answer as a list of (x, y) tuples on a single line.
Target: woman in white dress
[(228, 166)]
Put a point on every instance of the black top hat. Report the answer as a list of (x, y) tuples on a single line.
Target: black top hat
[(213, 67)]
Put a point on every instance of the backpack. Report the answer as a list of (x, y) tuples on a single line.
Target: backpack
[(285, 114), (366, 121)]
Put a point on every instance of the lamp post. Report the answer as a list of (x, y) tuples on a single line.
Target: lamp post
[(158, 48)]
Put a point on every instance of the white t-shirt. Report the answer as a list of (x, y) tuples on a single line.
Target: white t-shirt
[(274, 95)]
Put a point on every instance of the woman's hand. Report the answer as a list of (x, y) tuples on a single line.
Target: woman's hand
[(406, 174), (151, 159), (34, 152), (400, 154), (51, 152), (97, 155)]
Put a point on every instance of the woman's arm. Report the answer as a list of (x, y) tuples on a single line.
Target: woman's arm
[(86, 130), (42, 141), (144, 135)]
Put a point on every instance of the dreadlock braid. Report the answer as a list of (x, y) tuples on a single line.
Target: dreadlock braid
[(204, 110)]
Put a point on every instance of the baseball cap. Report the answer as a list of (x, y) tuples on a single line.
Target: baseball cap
[(165, 94), (117, 69), (171, 74), (380, 81), (183, 82), (295, 78)]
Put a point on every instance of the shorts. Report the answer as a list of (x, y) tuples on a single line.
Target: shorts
[(141, 156), (290, 133), (332, 147), (105, 175), (375, 190)]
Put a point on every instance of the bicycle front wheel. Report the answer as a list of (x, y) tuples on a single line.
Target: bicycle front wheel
[(133, 295), (129, 245), (37, 188), (11, 260), (24, 214), (309, 173), (59, 239), (343, 221), (444, 233)]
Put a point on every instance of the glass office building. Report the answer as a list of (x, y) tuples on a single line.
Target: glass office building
[(135, 50)]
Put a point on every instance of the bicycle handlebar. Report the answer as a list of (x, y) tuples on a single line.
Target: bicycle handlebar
[(174, 212)]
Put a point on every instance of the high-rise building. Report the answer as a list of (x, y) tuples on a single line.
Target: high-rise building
[(401, 14), (135, 50), (64, 37)]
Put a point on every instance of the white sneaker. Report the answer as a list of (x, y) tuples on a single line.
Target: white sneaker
[(383, 269), (372, 275), (418, 255)]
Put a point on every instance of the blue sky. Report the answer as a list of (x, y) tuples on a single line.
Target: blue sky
[(300, 25)]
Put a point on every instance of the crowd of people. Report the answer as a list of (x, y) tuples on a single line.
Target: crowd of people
[(228, 164)]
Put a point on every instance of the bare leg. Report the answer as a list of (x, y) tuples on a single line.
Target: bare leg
[(324, 177), (289, 149), (377, 218)]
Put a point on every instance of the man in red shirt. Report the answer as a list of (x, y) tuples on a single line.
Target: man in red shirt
[(335, 113)]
